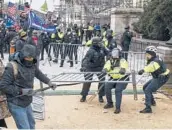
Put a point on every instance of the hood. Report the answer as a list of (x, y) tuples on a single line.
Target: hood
[(28, 51)]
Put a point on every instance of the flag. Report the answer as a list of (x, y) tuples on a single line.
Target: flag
[(38, 23), (12, 9), (10, 21), (44, 7)]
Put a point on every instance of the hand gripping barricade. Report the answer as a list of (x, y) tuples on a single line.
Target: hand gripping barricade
[(4, 111), (78, 77)]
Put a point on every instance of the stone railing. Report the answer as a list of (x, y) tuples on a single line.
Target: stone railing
[(138, 44)]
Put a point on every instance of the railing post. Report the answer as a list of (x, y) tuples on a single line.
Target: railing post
[(133, 73)]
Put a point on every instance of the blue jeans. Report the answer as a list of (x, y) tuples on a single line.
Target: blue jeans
[(152, 86), (23, 117)]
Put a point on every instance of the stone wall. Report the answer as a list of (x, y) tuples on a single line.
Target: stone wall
[(120, 17)]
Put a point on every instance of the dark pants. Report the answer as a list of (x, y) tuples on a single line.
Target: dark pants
[(152, 86), (125, 55), (88, 35), (86, 86), (67, 52), (1, 51), (119, 87), (70, 51), (42, 51), (58, 50)]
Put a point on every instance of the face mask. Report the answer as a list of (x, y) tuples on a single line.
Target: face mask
[(28, 63)]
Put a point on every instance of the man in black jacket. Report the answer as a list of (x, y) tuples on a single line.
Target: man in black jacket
[(19, 88), (93, 61), (126, 41)]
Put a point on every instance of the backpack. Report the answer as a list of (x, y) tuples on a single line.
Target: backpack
[(4, 111)]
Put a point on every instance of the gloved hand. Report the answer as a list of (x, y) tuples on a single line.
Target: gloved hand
[(122, 71), (27, 91), (52, 85), (83, 69), (104, 71), (141, 72)]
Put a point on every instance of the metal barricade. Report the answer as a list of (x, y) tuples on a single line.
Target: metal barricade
[(85, 77), (66, 52), (136, 60)]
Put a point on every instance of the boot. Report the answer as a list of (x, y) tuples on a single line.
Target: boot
[(71, 64), (101, 99), (55, 61), (76, 62), (117, 111), (83, 99), (153, 103), (108, 105), (146, 110), (61, 65)]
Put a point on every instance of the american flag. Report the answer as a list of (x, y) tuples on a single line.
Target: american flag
[(12, 9)]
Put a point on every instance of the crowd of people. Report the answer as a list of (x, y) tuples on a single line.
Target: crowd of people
[(26, 48)]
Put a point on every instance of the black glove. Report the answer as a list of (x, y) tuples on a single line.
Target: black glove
[(104, 71), (122, 71), (83, 69), (52, 85), (141, 72)]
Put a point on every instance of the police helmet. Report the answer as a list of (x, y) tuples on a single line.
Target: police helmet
[(96, 40), (152, 50), (109, 33), (116, 53)]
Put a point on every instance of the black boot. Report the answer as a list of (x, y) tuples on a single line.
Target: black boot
[(117, 111), (101, 99), (146, 110), (55, 61), (153, 103), (108, 105), (83, 99), (71, 64)]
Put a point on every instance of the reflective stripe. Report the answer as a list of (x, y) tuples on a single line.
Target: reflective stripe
[(53, 35), (90, 28), (89, 43), (61, 35), (152, 67), (166, 72)]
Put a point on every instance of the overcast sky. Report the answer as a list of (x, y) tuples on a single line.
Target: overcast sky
[(36, 4)]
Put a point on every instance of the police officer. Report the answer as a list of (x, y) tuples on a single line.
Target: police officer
[(45, 43), (67, 47), (160, 74), (109, 41), (93, 61), (126, 41), (116, 68), (58, 49)]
